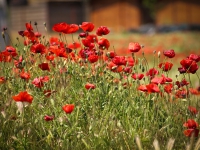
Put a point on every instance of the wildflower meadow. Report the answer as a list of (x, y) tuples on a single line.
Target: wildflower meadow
[(60, 94)]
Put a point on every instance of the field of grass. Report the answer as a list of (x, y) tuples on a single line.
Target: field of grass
[(54, 99)]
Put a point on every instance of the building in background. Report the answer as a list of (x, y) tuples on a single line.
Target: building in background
[(118, 15), (3, 23), (177, 12)]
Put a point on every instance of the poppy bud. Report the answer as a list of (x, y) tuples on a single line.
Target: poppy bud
[(3, 34), (143, 69), (158, 54), (23, 63), (4, 28), (102, 31)]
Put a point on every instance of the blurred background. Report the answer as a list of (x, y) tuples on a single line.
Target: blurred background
[(138, 19)]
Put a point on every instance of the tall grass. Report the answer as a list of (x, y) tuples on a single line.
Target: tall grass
[(113, 115)]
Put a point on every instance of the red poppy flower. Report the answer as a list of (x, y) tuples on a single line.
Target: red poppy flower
[(102, 30), (167, 79), (189, 66), (166, 66), (50, 57), (29, 27), (152, 88), (90, 86), (18, 63), (48, 118), (29, 34), (7, 54), (181, 93), (68, 50), (74, 45), (194, 91), (38, 34), (68, 108), (191, 132), (44, 66), (5, 57), (186, 63), (21, 33), (111, 54), (38, 48), (193, 110), (89, 41), (142, 88), (194, 57), (134, 47), (119, 60), (191, 124), (11, 51), (182, 70), (168, 88), (182, 83), (44, 79), (158, 80), (131, 61), (169, 53), (83, 35), (84, 53), (86, 42), (103, 43), (2, 80), (54, 41), (39, 82), (93, 58), (127, 69), (92, 38), (25, 75), (23, 97), (87, 26), (161, 80), (60, 52), (152, 72), (138, 76), (62, 44), (71, 29), (60, 27), (115, 68)]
